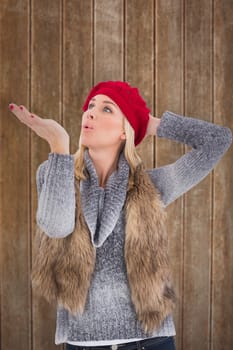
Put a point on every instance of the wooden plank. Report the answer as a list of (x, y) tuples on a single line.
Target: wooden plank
[(198, 213), (15, 209), (139, 59), (222, 306), (169, 92), (108, 40), (45, 101), (78, 64)]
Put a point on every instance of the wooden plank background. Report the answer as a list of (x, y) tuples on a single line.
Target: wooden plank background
[(180, 55)]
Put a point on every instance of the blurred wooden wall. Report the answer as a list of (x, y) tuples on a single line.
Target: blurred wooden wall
[(180, 55)]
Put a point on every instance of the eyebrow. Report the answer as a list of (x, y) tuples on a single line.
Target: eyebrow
[(93, 99)]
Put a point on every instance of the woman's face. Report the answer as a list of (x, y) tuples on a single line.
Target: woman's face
[(102, 124)]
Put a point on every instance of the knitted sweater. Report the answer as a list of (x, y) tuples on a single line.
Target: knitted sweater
[(109, 314)]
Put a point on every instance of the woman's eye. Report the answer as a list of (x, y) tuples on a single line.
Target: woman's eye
[(107, 109), (91, 105)]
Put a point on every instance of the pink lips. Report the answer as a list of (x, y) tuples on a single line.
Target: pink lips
[(87, 127)]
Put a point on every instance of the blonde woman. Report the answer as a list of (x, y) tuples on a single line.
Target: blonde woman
[(101, 245)]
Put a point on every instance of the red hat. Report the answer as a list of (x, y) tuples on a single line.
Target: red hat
[(130, 102)]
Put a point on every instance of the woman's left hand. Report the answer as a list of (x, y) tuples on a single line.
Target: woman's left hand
[(152, 126)]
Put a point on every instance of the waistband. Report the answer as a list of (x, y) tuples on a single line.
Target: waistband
[(139, 345)]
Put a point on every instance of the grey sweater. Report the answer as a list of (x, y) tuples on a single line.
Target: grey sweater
[(109, 313)]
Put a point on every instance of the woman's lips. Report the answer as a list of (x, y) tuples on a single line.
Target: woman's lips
[(87, 127)]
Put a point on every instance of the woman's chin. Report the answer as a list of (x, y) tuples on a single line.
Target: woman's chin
[(85, 142)]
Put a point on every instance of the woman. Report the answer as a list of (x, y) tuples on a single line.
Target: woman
[(102, 243)]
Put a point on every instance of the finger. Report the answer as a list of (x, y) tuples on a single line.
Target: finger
[(27, 116), (23, 114), (14, 109), (17, 111)]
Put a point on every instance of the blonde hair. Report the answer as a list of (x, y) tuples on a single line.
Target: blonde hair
[(129, 149)]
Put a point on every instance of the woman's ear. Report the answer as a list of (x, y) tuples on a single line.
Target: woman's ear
[(123, 136)]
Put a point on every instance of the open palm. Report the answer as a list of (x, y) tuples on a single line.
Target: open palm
[(48, 129)]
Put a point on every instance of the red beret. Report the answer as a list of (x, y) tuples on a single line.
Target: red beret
[(130, 102)]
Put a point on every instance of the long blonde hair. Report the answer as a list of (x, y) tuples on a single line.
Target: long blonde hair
[(129, 149)]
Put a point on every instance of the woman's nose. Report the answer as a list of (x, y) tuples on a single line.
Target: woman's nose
[(90, 116)]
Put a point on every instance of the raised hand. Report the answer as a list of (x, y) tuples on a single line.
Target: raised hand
[(48, 129), (152, 125)]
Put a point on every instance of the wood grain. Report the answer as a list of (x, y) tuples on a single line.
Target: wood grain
[(15, 201), (77, 64), (222, 277), (139, 59), (198, 204), (169, 96), (45, 101), (108, 40)]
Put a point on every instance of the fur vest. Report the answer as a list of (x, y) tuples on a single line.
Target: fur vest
[(62, 268)]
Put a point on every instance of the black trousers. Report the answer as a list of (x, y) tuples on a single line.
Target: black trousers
[(158, 343)]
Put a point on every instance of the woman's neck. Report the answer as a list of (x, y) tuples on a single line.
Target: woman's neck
[(105, 163)]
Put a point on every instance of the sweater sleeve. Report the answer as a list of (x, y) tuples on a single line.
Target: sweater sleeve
[(56, 195), (208, 141)]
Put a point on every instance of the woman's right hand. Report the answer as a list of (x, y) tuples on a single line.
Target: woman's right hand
[(48, 129)]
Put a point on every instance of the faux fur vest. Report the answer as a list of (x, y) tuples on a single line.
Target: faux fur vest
[(62, 268)]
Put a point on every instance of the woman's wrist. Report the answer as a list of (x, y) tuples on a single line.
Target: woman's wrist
[(153, 125), (60, 148)]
